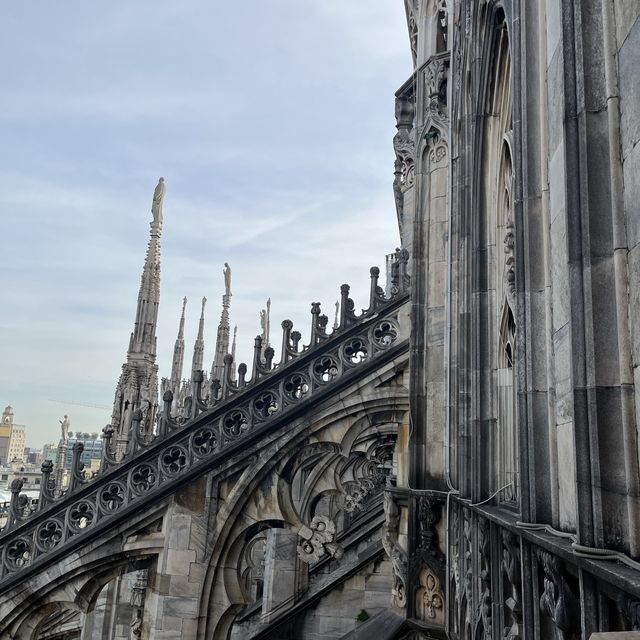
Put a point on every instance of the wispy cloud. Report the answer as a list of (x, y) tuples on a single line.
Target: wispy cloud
[(272, 125)]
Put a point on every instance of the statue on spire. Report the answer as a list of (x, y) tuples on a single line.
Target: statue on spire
[(227, 279), (265, 325), (156, 207), (64, 428)]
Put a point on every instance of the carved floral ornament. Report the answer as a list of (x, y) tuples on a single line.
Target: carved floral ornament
[(404, 148), (435, 76), (429, 598), (317, 540), (151, 464)]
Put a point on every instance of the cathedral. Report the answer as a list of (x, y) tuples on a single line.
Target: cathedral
[(460, 460)]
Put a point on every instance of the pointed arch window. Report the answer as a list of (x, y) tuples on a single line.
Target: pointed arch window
[(507, 410), (441, 26), (497, 174)]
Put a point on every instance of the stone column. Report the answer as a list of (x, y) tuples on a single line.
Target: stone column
[(279, 573)]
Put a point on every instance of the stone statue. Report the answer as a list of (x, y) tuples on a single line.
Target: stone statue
[(227, 279), (265, 324), (64, 427), (135, 626), (156, 207)]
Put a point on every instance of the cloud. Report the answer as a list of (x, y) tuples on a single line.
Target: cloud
[(272, 125)]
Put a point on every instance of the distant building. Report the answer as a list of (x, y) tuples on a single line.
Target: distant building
[(31, 476), (17, 442), (50, 452), (92, 450), (6, 424)]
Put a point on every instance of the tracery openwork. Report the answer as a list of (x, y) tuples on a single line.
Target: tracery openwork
[(180, 451)]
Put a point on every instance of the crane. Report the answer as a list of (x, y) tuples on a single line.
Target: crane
[(91, 405)]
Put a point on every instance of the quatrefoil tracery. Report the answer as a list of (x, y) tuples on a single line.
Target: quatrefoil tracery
[(49, 534), (174, 459), (326, 369), (265, 405), (81, 515), (18, 553), (385, 333), (234, 423), (204, 442), (112, 497), (143, 478), (356, 351)]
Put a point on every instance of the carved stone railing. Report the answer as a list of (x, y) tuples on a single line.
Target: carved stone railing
[(242, 413)]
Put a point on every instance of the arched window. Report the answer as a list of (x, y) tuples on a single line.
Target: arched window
[(506, 387), (498, 179), (441, 26), (433, 32)]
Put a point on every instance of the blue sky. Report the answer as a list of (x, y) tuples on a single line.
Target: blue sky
[(271, 121)]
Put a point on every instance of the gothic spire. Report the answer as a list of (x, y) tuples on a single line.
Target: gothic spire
[(198, 347), (137, 387), (143, 339), (178, 353), (222, 338)]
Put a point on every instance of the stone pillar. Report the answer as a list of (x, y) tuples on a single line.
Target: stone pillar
[(279, 573), (173, 596), (60, 461)]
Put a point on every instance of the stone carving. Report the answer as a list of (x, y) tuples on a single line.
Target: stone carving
[(511, 568), (557, 600), (438, 151), (427, 517), (404, 147), (227, 279), (399, 275), (265, 326), (357, 492), (137, 602), (434, 117), (509, 263), (317, 540), (156, 207), (396, 553), (427, 559), (435, 77), (64, 428), (467, 566), (429, 598), (454, 550), (485, 579)]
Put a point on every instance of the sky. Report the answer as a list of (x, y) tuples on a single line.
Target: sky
[(271, 122)]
